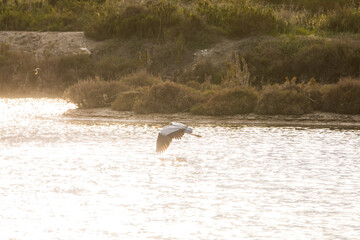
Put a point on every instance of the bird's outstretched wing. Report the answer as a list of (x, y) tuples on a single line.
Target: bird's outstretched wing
[(164, 140)]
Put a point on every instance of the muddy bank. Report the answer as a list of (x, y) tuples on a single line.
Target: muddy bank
[(317, 119)]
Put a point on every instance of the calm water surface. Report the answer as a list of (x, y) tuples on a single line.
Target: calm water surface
[(94, 178)]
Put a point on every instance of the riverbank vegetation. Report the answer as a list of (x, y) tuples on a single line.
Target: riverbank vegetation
[(209, 57)]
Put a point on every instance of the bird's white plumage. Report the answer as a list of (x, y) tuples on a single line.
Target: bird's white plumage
[(167, 133), (173, 127), (178, 124)]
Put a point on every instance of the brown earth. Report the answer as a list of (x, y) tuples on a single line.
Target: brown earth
[(48, 43), (64, 43)]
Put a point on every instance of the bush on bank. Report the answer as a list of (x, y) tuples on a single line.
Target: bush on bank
[(326, 60), (285, 99), (167, 97), (343, 97), (239, 100), (125, 101), (94, 93)]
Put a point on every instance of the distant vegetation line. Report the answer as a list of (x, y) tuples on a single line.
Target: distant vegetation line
[(153, 19), (309, 41)]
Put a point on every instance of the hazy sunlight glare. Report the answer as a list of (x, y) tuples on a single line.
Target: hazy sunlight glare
[(22, 108)]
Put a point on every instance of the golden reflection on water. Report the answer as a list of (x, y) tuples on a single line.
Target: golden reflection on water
[(23, 108), (98, 178)]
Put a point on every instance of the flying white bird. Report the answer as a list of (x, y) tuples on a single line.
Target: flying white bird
[(166, 135)]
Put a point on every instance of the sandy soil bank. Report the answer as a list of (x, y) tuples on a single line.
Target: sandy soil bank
[(317, 119), (48, 43)]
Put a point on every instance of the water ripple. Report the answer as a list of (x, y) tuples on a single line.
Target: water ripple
[(84, 179)]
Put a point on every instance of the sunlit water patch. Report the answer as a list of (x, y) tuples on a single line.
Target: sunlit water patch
[(69, 178)]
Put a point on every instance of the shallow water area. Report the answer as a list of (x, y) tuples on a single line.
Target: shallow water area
[(85, 177)]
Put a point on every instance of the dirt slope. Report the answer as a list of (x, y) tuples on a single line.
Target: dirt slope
[(48, 43)]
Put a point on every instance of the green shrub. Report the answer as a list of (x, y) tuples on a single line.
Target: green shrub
[(167, 97), (273, 59), (327, 61), (343, 97), (313, 5), (125, 101), (240, 19), (137, 20), (94, 93), (286, 99), (343, 20), (238, 100), (64, 15)]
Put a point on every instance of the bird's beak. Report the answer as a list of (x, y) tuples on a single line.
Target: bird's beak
[(195, 135)]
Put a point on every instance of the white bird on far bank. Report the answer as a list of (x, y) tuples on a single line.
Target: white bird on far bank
[(36, 71), (85, 51)]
